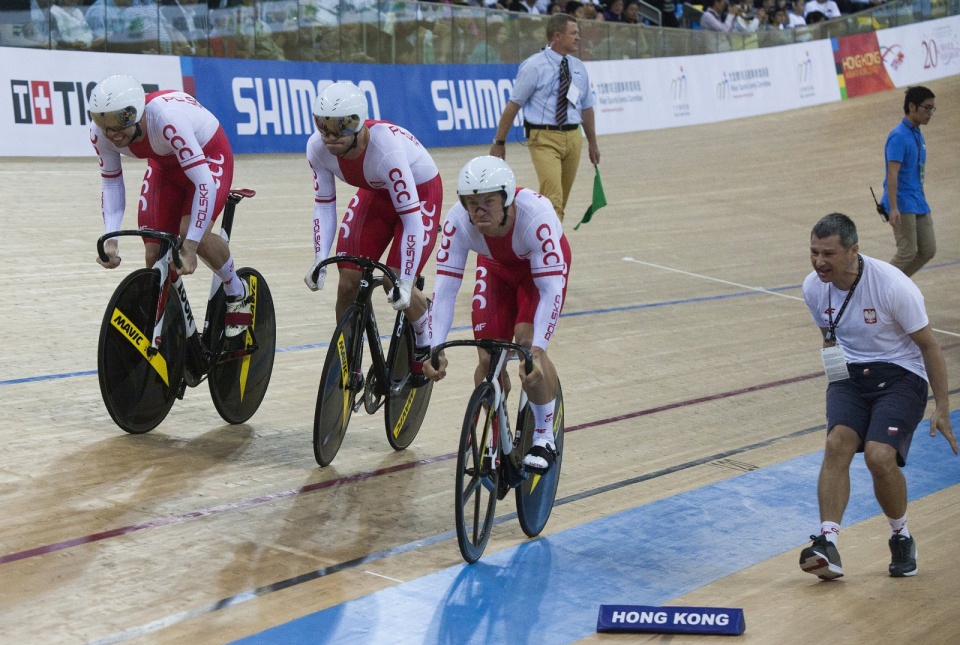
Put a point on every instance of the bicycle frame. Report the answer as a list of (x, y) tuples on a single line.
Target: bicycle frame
[(200, 358), (363, 301), (504, 441)]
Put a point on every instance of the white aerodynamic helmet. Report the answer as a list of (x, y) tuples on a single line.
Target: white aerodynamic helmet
[(117, 102), (487, 175), (340, 108)]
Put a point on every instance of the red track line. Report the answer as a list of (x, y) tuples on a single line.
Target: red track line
[(254, 501)]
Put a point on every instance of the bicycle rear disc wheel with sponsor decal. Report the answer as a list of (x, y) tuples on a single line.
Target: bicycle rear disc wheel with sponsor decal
[(139, 388), (403, 415), (340, 384), (535, 496), (238, 386), (477, 475)]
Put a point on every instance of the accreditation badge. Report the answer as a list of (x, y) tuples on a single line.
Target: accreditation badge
[(834, 364)]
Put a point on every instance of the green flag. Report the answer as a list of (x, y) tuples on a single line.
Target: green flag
[(599, 199)]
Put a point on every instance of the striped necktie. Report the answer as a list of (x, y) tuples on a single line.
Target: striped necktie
[(562, 91)]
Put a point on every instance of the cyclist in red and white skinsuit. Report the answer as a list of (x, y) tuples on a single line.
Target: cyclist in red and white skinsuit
[(399, 199), (522, 267), (185, 187)]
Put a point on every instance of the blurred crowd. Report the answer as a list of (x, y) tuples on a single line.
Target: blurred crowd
[(331, 30)]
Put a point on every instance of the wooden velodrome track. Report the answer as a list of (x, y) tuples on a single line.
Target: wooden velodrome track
[(669, 385)]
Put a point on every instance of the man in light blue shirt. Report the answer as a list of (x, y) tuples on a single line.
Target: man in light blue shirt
[(905, 156), (553, 89)]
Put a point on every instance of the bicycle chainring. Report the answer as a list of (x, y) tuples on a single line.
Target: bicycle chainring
[(371, 400)]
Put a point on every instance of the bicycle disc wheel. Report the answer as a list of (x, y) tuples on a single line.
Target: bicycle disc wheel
[(237, 387), (137, 389), (340, 384), (477, 477), (535, 496), (405, 410)]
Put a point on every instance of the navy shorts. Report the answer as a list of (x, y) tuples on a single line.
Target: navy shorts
[(886, 410)]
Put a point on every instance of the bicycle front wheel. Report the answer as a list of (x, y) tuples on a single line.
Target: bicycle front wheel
[(535, 496), (237, 387), (340, 384), (477, 475), (138, 388), (405, 410)]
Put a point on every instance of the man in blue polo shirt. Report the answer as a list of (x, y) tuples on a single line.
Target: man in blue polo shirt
[(553, 89), (906, 156)]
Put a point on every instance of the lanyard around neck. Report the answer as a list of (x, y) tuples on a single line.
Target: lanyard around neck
[(831, 332)]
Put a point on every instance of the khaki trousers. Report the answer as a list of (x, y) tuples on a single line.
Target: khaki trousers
[(556, 156), (916, 244)]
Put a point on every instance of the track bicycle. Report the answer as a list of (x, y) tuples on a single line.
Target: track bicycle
[(388, 383), (150, 349), (490, 456)]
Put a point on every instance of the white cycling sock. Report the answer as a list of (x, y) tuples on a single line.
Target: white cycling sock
[(543, 422), (231, 281), (831, 531), (899, 527), (421, 331)]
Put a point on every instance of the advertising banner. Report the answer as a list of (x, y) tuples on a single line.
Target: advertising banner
[(922, 51), (43, 109), (659, 93), (266, 106), (861, 65)]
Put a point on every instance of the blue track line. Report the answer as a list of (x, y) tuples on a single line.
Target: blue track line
[(297, 348), (549, 590)]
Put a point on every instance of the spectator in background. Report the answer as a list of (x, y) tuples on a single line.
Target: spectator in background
[(14, 15), (70, 28), (189, 25), (631, 12), (796, 14), (524, 6), (747, 20), (554, 7), (828, 8), (487, 50), (255, 38), (590, 11), (814, 17), (130, 26), (713, 18), (781, 19), (613, 11)]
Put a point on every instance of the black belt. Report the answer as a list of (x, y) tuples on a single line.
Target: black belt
[(557, 128)]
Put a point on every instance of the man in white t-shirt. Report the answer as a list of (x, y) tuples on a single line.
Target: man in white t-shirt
[(879, 353)]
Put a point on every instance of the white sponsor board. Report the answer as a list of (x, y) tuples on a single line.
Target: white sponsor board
[(659, 93), (922, 51), (44, 96)]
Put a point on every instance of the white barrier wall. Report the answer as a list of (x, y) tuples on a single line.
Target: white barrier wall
[(43, 101), (921, 52), (43, 108), (656, 93)]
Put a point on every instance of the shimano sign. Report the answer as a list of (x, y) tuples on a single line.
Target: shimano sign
[(267, 106)]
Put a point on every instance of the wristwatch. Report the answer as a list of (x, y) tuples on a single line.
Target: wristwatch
[(499, 142)]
